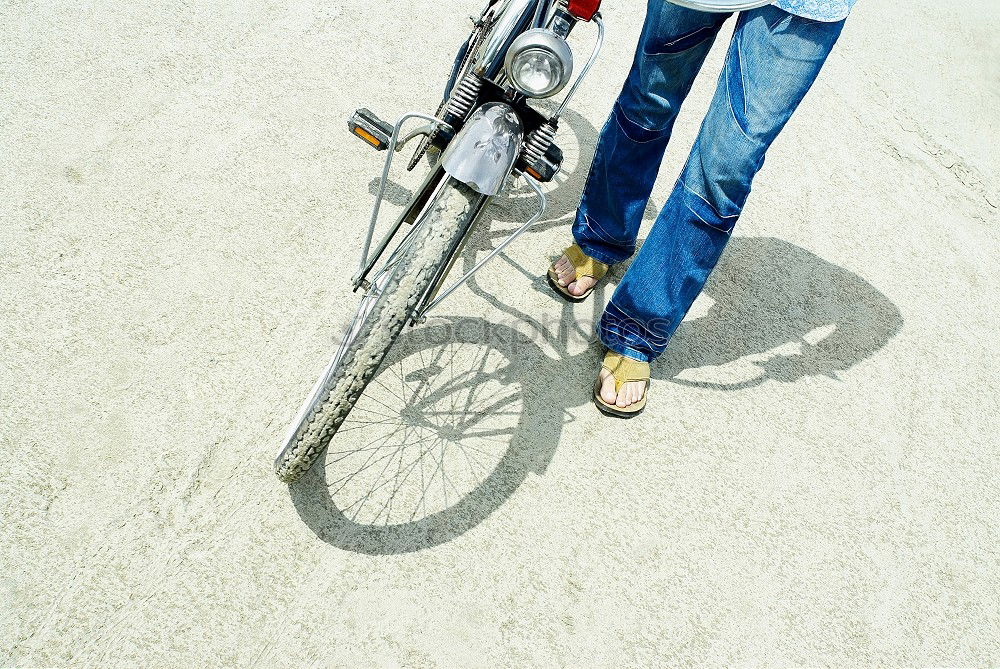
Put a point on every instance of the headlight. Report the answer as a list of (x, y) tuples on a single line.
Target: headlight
[(538, 63)]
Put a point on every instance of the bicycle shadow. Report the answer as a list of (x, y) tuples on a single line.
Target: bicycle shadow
[(770, 312), (317, 494), (769, 297)]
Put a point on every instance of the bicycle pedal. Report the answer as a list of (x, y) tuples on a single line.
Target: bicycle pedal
[(370, 128)]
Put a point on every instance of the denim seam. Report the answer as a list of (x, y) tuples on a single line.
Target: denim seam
[(727, 69), (680, 38), (727, 231), (599, 255), (711, 206), (590, 174), (698, 216), (781, 18), (625, 132), (617, 104), (729, 100), (743, 77), (601, 232), (688, 35), (687, 161)]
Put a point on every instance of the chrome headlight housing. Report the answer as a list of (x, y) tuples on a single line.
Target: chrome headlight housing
[(539, 63)]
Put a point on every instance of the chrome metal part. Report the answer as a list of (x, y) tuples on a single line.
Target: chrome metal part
[(481, 26), (381, 188), (416, 132), (542, 10), (542, 203), (454, 252), (483, 152), (464, 96), (538, 143), (586, 68), (546, 41), (515, 15), (426, 141), (426, 193), (562, 21)]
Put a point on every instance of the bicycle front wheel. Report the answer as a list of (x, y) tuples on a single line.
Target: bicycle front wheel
[(386, 307)]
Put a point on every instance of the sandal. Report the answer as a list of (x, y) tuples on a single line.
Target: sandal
[(624, 369), (584, 266)]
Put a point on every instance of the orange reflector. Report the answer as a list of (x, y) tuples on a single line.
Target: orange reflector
[(532, 172), (367, 136)]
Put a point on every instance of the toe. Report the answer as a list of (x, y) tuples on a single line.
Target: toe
[(637, 391), (564, 271), (630, 394), (581, 285), (608, 388)]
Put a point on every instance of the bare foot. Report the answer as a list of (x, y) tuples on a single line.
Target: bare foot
[(567, 277), (630, 392)]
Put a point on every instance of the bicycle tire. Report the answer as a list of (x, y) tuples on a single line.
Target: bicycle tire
[(416, 268)]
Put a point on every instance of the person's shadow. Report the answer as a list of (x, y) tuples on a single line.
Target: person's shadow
[(464, 409), (785, 312)]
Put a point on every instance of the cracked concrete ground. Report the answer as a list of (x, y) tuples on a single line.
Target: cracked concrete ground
[(814, 482)]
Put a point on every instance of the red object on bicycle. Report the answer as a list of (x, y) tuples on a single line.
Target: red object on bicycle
[(584, 9)]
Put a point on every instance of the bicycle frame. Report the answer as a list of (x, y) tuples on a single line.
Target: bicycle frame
[(486, 133), (468, 139)]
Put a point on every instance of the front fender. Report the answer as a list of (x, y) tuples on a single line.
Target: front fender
[(483, 152)]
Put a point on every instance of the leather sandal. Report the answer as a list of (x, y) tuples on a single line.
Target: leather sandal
[(624, 369), (584, 266)]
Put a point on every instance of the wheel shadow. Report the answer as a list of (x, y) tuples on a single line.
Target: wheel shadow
[(770, 312), (397, 491)]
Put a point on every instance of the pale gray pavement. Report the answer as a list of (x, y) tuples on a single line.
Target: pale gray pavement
[(815, 480)]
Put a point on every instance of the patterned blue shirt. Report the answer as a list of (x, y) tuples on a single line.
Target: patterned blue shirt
[(818, 10)]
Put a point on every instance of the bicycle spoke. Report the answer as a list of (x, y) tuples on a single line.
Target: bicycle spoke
[(428, 430)]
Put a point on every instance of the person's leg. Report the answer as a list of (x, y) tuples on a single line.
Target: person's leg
[(671, 50), (772, 61)]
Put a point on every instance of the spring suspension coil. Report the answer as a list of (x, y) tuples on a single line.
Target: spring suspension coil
[(538, 143), (464, 96)]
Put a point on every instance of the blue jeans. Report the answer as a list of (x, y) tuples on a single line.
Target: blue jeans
[(773, 59)]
